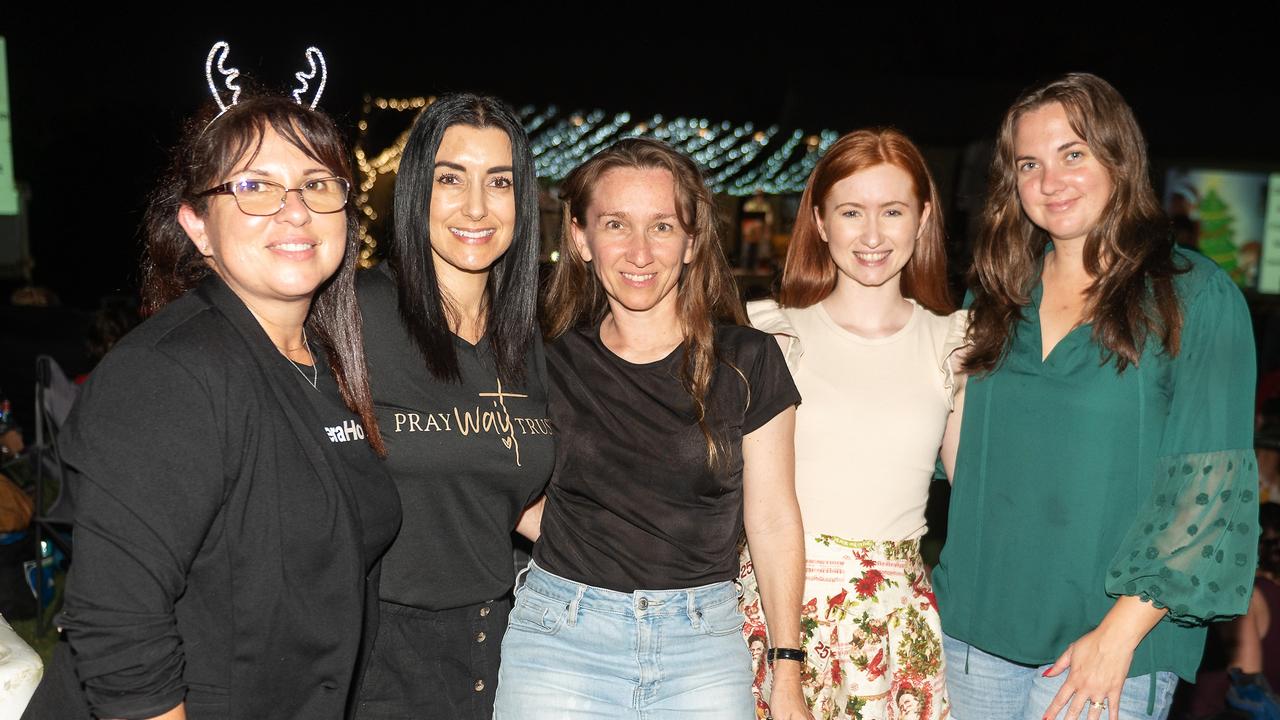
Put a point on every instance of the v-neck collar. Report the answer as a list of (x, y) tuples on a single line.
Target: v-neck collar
[(1037, 295)]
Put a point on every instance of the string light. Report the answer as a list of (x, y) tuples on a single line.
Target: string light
[(729, 154)]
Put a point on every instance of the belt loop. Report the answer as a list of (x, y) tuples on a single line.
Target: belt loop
[(573, 606), (691, 609), (520, 579)]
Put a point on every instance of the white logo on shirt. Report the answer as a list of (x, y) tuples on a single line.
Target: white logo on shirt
[(346, 432)]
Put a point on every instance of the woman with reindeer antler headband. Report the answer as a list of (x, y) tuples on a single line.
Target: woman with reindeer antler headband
[(231, 507)]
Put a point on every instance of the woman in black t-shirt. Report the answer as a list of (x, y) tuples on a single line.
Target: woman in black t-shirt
[(458, 378), (677, 427)]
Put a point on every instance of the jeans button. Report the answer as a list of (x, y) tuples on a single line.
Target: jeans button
[(480, 637), (644, 603)]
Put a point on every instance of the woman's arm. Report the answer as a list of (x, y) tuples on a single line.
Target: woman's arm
[(1189, 556), (530, 523), (951, 435), (149, 484), (775, 535)]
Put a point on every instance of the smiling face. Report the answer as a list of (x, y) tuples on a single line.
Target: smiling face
[(1062, 186), (473, 205), (870, 221), (633, 239), (277, 258)]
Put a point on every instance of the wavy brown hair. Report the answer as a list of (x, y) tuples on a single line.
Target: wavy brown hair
[(1129, 253), (706, 294), (809, 275), (211, 149)]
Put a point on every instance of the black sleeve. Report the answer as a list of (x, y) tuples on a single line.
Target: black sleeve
[(147, 451), (770, 387)]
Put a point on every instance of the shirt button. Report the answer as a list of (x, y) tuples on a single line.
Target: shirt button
[(480, 637), (644, 603), (479, 685), (484, 612)]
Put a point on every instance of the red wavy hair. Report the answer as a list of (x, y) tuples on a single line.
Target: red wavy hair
[(809, 275)]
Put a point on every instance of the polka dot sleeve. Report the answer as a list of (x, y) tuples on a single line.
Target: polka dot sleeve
[(1193, 547)]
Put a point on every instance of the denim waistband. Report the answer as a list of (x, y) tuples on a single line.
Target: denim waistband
[(642, 603)]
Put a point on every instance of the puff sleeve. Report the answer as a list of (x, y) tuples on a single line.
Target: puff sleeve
[(1193, 547), (955, 341), (766, 316)]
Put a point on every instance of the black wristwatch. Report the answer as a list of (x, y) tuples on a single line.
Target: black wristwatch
[(785, 654)]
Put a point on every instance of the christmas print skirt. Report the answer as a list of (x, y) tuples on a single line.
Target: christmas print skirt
[(870, 626)]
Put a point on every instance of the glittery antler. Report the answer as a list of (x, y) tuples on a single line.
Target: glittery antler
[(230, 75), (315, 59)]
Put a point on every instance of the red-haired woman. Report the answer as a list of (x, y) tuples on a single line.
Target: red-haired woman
[(869, 331)]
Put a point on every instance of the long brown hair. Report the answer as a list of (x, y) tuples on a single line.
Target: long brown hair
[(706, 294), (809, 275), (208, 151), (1129, 253)]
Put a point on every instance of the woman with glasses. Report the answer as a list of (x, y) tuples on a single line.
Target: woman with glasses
[(1105, 504), (231, 506), (459, 386)]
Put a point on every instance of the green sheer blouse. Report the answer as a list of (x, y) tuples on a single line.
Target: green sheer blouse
[(1076, 484)]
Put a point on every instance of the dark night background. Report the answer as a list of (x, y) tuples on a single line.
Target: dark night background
[(96, 102)]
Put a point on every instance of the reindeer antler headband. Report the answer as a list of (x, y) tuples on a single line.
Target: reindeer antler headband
[(220, 51)]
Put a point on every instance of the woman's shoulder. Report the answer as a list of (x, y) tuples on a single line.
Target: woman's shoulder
[(1202, 280), (740, 337), (786, 324), (770, 317), (376, 289), (565, 347), (745, 346), (947, 331), (187, 330)]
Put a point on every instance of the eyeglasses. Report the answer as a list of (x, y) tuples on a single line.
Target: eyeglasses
[(263, 197)]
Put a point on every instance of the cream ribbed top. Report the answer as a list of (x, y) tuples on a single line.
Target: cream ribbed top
[(871, 420)]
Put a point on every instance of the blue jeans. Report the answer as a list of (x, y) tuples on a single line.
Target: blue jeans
[(577, 651), (986, 687)]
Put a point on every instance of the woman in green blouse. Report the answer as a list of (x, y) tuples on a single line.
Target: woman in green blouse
[(1105, 502)]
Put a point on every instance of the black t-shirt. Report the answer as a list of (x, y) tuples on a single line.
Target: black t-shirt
[(633, 503), (467, 458), (375, 502)]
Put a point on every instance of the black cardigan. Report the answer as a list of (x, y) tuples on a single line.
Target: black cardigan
[(218, 553)]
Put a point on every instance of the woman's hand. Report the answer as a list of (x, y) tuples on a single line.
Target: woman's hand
[(786, 699), (1098, 663), (1098, 666)]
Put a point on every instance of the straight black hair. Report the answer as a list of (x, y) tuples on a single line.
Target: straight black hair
[(510, 310)]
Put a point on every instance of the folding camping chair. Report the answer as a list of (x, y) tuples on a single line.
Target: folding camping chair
[(55, 395)]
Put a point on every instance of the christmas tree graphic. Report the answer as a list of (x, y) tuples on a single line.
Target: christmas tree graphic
[(1218, 232)]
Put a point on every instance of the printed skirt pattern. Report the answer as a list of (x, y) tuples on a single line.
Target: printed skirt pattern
[(870, 626)]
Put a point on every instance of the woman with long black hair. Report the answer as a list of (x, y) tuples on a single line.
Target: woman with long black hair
[(458, 380)]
